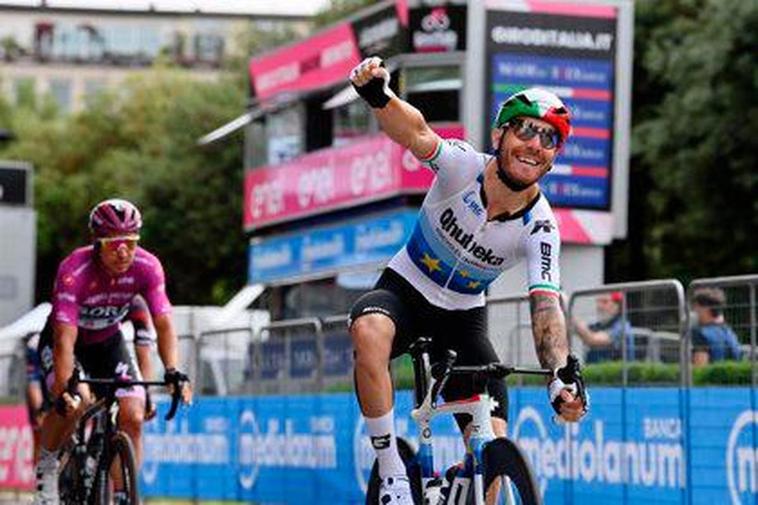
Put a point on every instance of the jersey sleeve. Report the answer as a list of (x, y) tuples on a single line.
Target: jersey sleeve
[(542, 241), (155, 290), (139, 315), (455, 162), (65, 297)]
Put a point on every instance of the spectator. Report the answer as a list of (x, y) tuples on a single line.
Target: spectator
[(604, 336), (712, 338)]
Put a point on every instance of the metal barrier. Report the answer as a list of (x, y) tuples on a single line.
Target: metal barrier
[(652, 319), (287, 357), (509, 327), (222, 361), (338, 351), (740, 313)]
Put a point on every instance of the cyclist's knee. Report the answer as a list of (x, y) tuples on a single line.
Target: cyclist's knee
[(372, 336), (131, 415)]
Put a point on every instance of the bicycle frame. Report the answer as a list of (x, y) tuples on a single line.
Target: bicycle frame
[(478, 407), (428, 385)]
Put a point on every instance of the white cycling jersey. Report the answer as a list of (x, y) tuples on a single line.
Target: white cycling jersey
[(454, 253)]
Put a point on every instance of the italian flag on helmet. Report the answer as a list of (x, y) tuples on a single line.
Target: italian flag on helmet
[(537, 103)]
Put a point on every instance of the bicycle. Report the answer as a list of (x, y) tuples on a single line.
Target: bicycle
[(93, 450), (497, 468)]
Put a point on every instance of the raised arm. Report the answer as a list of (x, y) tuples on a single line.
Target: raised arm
[(401, 121)]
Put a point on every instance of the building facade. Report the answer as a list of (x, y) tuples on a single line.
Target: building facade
[(73, 50)]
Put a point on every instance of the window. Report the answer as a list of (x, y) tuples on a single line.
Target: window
[(435, 91), (284, 135), (60, 89)]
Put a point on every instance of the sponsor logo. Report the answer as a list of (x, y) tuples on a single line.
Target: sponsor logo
[(126, 280), (540, 37), (471, 201), (655, 461), (380, 442), (377, 36), (542, 224), (546, 251), (452, 227), (742, 459), (435, 34)]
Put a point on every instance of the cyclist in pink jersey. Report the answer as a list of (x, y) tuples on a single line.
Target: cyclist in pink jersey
[(94, 289)]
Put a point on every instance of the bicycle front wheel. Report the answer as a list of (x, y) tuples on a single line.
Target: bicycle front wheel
[(412, 469), (118, 473), (508, 479)]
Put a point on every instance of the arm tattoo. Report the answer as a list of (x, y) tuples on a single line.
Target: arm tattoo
[(549, 330)]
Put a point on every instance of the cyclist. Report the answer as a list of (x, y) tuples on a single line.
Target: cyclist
[(94, 288), (35, 404), (482, 215)]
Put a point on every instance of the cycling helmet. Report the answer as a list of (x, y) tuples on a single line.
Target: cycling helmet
[(114, 217), (537, 103)]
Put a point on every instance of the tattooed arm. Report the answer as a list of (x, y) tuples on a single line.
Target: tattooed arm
[(549, 330)]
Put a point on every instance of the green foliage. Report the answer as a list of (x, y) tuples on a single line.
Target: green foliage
[(610, 374), (139, 142), (693, 209)]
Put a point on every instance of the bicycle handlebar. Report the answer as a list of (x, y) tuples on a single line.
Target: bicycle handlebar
[(114, 384), (498, 371)]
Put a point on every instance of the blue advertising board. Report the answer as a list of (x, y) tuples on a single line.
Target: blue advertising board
[(637, 446), (330, 248), (574, 57)]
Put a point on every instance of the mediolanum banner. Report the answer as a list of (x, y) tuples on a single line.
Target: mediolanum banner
[(638, 446)]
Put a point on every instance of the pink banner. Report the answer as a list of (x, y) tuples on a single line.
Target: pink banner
[(367, 170), (16, 449), (318, 61)]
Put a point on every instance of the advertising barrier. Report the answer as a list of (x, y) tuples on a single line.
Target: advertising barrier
[(635, 447), (329, 179), (330, 248), (16, 448)]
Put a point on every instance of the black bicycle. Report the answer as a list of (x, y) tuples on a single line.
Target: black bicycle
[(494, 469), (99, 457)]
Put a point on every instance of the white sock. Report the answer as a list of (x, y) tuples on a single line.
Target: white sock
[(381, 430), (47, 459)]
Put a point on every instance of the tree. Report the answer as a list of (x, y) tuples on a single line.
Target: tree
[(140, 143), (693, 161)]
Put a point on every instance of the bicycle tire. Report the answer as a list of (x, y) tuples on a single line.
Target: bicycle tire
[(503, 458), (411, 467), (120, 446), (68, 479)]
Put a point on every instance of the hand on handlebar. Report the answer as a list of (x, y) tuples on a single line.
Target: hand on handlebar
[(69, 399), (178, 381), (567, 393)]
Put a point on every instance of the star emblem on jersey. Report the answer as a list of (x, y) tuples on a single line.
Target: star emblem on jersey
[(464, 273), (544, 225), (473, 284), (431, 263)]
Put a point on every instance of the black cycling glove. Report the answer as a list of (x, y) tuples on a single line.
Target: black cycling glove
[(377, 91), (570, 378), (174, 377)]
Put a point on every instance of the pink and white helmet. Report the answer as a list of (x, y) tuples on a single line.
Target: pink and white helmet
[(114, 217)]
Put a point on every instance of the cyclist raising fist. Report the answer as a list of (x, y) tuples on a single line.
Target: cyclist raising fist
[(483, 215), (94, 289)]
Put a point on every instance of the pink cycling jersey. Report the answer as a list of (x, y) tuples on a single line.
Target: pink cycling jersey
[(87, 296)]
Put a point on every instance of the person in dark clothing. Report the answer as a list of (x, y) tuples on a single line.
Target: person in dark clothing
[(712, 338)]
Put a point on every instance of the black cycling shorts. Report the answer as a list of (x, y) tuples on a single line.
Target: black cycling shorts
[(103, 360), (463, 331)]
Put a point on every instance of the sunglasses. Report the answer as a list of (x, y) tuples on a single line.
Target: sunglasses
[(526, 130), (114, 243)]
